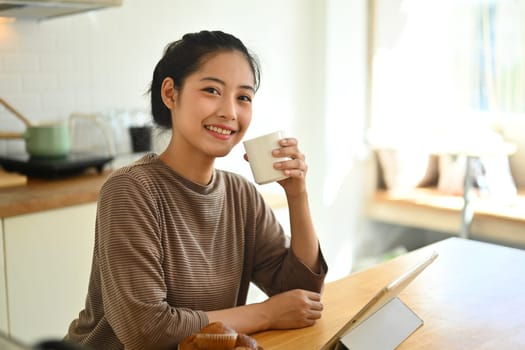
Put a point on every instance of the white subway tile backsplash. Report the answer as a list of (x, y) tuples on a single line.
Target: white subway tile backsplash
[(53, 68), (10, 83), (33, 38), (72, 45), (106, 99), (16, 146), (10, 123), (9, 39), (78, 81), (82, 60), (40, 82), (58, 105), (19, 62), (51, 62), (83, 103), (28, 104)]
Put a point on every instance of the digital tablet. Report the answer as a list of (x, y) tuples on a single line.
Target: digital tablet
[(383, 296)]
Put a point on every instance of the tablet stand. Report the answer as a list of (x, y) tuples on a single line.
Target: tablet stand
[(383, 330)]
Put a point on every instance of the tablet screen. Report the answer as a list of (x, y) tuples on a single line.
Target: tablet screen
[(383, 296)]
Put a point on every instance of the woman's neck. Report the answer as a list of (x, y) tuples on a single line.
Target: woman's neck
[(196, 169)]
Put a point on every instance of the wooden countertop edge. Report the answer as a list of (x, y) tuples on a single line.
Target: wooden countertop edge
[(37, 205), (39, 195)]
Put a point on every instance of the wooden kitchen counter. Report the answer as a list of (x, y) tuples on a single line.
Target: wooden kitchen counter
[(41, 194), (471, 297)]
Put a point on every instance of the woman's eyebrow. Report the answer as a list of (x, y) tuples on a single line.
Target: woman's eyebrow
[(220, 81)]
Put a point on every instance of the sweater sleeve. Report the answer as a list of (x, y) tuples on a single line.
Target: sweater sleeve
[(131, 275), (276, 268)]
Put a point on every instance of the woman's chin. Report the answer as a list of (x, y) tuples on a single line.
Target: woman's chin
[(221, 154)]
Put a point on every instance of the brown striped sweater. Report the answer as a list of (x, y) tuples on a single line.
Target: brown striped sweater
[(167, 250)]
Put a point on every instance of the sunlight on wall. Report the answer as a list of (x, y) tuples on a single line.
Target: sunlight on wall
[(345, 119), (345, 93), (418, 53)]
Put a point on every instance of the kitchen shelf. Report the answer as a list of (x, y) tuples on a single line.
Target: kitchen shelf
[(428, 208)]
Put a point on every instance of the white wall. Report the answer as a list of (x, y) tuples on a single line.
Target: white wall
[(312, 56), (104, 59)]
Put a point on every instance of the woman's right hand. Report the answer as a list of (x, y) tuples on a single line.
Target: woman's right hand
[(293, 309)]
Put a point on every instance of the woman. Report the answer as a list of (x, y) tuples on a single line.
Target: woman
[(177, 242)]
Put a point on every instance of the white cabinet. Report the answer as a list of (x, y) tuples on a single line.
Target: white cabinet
[(3, 294), (47, 265)]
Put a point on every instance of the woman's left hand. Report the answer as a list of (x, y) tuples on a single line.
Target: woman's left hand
[(295, 167)]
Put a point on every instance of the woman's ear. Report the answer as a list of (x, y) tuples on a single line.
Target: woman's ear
[(168, 93)]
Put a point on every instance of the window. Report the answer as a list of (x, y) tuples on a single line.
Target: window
[(501, 52), (438, 63), (449, 77)]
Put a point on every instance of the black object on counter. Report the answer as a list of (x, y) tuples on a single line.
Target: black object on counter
[(58, 345), (10, 343), (51, 168), (140, 138)]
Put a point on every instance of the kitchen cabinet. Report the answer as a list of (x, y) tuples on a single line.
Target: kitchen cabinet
[(47, 265), (3, 295)]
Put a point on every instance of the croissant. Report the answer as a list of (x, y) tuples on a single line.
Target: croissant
[(218, 336)]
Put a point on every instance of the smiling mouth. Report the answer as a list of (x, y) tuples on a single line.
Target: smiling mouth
[(219, 130)]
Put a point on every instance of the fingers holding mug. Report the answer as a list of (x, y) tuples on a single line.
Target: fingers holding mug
[(259, 153), (294, 163)]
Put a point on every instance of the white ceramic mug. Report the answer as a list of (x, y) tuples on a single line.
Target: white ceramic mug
[(259, 151)]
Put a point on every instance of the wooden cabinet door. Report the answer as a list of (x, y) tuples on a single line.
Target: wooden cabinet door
[(48, 261)]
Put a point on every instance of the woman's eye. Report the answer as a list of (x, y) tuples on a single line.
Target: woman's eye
[(211, 90), (245, 98)]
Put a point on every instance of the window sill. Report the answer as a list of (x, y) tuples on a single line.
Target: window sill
[(427, 208)]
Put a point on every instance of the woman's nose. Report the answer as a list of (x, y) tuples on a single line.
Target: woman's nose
[(228, 108)]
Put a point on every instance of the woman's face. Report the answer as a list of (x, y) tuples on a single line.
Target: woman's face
[(213, 110)]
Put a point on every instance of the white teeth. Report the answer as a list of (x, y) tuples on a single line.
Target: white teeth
[(219, 130)]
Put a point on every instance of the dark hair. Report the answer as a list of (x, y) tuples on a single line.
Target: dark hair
[(183, 57)]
